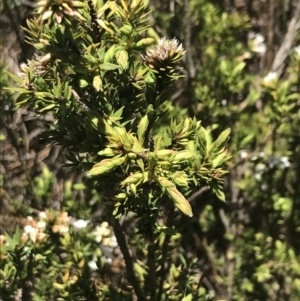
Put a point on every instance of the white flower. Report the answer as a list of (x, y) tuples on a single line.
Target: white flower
[(41, 225), (256, 37), (31, 232), (113, 242), (80, 224), (260, 167), (258, 176), (243, 154), (257, 43), (284, 162), (42, 215), (101, 231), (93, 265), (270, 77), (259, 170), (63, 229), (29, 229), (261, 49)]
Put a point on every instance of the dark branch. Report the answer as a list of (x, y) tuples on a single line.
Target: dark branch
[(128, 259)]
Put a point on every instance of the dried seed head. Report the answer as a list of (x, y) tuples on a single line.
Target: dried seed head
[(59, 8), (165, 53)]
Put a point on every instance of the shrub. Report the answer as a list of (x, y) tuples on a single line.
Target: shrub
[(107, 82)]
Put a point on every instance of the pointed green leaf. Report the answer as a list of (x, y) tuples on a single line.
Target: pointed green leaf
[(145, 42), (142, 128), (218, 191), (47, 108), (222, 138), (109, 66), (16, 78)]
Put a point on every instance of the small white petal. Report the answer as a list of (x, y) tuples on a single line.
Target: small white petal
[(80, 223), (113, 242), (29, 229), (41, 225), (93, 265), (42, 215), (284, 162), (270, 77), (63, 229), (244, 154)]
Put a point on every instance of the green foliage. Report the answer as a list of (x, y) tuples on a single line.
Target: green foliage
[(106, 83), (54, 260), (106, 97), (108, 80), (229, 84)]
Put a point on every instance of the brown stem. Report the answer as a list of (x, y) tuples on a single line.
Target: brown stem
[(165, 248), (196, 194), (284, 50), (128, 259), (152, 268)]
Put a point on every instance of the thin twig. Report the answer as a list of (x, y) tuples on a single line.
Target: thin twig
[(152, 268), (230, 264), (187, 40), (224, 219), (284, 50), (197, 193), (128, 259), (165, 248)]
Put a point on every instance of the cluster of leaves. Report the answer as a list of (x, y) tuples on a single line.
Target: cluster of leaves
[(257, 252), (99, 73), (106, 97), (108, 88), (52, 260), (56, 256)]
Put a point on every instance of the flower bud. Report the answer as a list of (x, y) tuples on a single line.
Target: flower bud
[(105, 166), (180, 201), (106, 152), (181, 181), (121, 196), (145, 42), (45, 59), (182, 156), (164, 182), (126, 29), (133, 179), (163, 153)]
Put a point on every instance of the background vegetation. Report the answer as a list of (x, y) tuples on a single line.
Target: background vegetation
[(241, 70)]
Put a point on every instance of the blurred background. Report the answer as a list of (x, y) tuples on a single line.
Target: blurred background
[(241, 70)]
